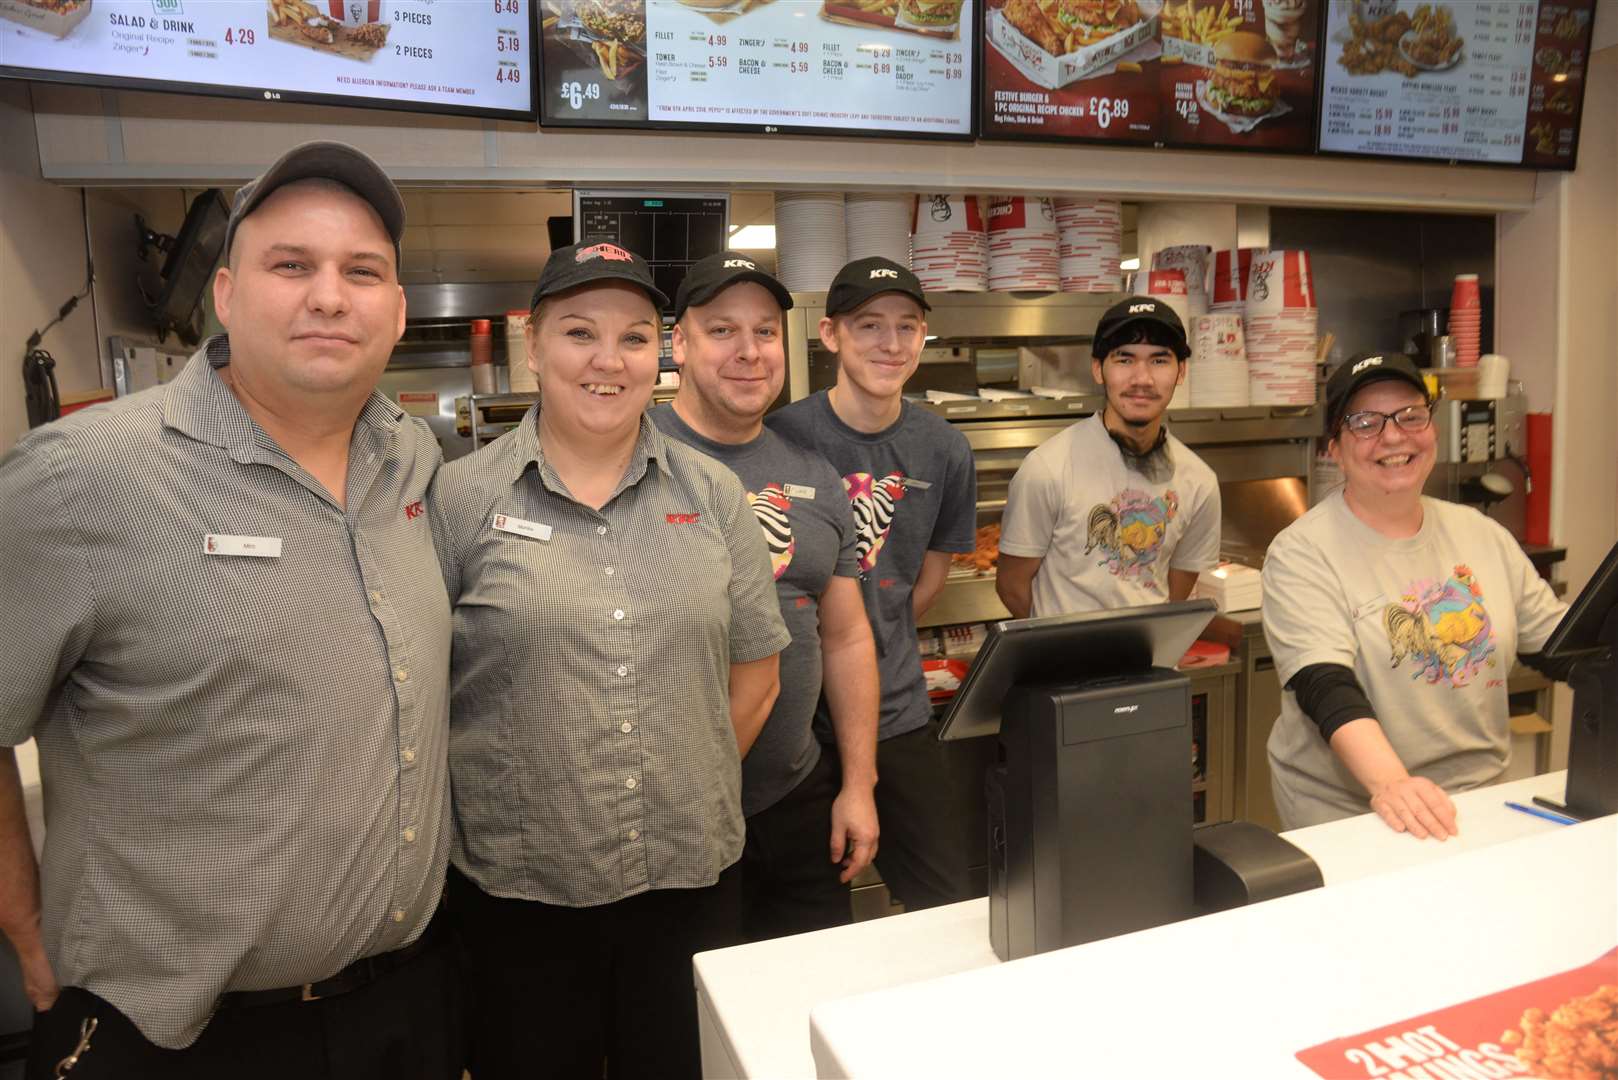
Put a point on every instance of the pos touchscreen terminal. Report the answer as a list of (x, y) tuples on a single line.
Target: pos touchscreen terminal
[(1090, 821), (1588, 637)]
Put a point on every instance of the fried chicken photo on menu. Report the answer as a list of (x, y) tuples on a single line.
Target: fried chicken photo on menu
[(1029, 18), (615, 20)]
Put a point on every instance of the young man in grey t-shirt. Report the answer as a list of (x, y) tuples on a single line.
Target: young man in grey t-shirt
[(809, 831), (912, 484), (1115, 511)]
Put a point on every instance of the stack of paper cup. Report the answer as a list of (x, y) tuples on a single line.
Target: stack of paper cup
[(1281, 324), (1024, 244), (1466, 320), (810, 238), (877, 225), (1169, 286), (1229, 288), (1218, 371), (949, 249), (1191, 260), (518, 375), (1091, 232)]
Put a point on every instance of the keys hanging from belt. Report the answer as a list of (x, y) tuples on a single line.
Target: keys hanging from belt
[(86, 1029)]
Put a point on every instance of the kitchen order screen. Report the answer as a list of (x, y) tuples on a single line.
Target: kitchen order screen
[(461, 56), (836, 66)]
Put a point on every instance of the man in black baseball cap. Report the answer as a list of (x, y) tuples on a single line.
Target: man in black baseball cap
[(729, 345), (1114, 511), (330, 161), (1360, 371), (912, 485)]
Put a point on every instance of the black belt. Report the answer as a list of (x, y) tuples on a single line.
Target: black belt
[(352, 977)]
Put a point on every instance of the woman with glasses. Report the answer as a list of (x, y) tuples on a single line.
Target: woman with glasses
[(1394, 620)]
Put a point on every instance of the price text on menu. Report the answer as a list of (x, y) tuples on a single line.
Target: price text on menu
[(1497, 81), (471, 54), (867, 65)]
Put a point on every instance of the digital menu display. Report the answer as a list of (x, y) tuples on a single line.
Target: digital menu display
[(834, 66), (1227, 74), (470, 56), (1493, 81)]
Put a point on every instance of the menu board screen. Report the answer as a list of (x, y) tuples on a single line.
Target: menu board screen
[(1494, 81), (466, 57), (835, 66), (1228, 74)]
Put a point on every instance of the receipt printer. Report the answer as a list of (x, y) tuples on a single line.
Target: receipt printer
[(1090, 811)]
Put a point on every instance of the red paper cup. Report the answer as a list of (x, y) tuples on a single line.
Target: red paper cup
[(1466, 295)]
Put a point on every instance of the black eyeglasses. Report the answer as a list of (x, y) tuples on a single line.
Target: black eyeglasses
[(1368, 424)]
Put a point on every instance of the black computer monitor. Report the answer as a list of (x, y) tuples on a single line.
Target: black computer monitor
[(1588, 636), (1089, 645), (190, 264)]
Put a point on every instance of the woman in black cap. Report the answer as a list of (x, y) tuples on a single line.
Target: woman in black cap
[(1394, 619), (615, 652)]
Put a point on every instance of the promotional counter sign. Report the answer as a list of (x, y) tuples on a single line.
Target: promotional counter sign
[(1490, 81), (833, 66), (452, 56), (1226, 74)]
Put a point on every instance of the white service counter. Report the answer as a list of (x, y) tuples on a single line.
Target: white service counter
[(1402, 925)]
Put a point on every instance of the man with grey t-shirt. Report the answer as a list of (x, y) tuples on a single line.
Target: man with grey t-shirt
[(808, 832), (912, 484)]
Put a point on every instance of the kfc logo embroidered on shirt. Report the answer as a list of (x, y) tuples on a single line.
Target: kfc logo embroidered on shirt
[(603, 251), (682, 519), (413, 510)]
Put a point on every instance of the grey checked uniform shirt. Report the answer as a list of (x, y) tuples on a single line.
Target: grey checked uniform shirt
[(244, 758), (591, 746)]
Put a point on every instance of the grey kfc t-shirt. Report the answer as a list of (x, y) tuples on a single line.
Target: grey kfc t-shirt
[(913, 489), (798, 500), (1430, 625)]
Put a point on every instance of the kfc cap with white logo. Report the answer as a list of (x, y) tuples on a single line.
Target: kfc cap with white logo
[(709, 277), (1138, 309), (1360, 371), (584, 264), (865, 279)]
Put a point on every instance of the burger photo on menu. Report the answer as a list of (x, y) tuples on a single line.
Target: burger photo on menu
[(1056, 42), (54, 17), (1241, 87), (933, 18), (723, 11)]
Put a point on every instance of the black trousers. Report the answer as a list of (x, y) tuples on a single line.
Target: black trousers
[(789, 883), (586, 992), (403, 1024), (922, 795)]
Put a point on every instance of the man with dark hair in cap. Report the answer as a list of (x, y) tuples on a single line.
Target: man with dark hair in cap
[(912, 484), (1115, 511), (232, 644), (729, 346)]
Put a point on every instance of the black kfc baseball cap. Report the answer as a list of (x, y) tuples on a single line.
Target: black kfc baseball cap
[(322, 160), (1360, 371), (583, 264), (1110, 330), (866, 279), (708, 277)]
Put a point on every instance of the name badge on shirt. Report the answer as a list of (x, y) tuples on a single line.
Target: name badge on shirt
[(919, 485), (798, 491), (518, 527), (260, 547)]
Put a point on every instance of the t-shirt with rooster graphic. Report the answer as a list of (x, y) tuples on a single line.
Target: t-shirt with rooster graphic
[(798, 500), (1108, 534), (912, 489), (1431, 626)]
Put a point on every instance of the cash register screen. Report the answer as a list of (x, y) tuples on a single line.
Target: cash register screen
[(1070, 648)]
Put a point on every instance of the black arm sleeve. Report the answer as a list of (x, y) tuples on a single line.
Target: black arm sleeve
[(1556, 669), (1331, 696)]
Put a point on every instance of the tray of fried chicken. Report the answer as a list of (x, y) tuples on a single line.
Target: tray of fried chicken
[(1056, 42), (980, 561)]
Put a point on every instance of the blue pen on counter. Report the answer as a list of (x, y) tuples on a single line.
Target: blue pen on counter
[(1548, 815)]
